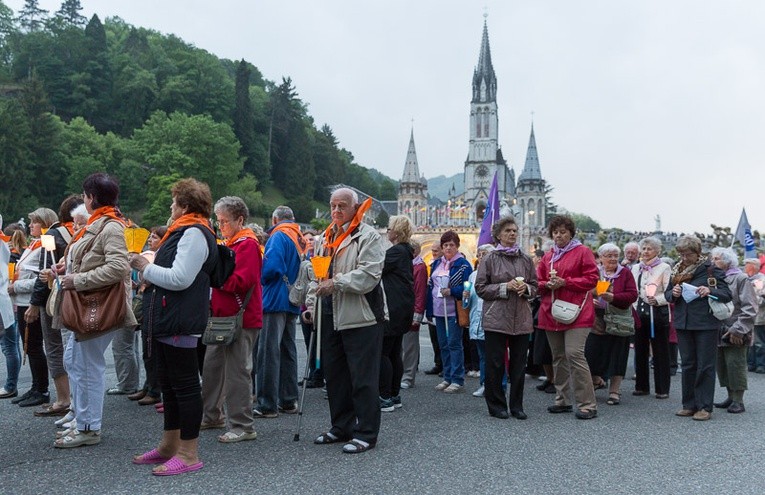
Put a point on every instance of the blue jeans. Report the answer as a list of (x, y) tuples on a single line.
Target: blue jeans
[(10, 345), (481, 346), (277, 362), (452, 355)]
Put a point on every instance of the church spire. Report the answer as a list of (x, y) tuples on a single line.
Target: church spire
[(411, 170), (531, 170), (484, 79)]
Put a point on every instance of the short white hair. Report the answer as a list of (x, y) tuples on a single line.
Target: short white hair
[(653, 242), (80, 211), (753, 261), (726, 255), (347, 191), (609, 247), (486, 248), (631, 244)]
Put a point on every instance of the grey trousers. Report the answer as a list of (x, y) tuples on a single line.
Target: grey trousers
[(571, 368), (277, 362), (731, 367), (410, 349), (126, 351), (54, 345), (698, 352), (227, 380)]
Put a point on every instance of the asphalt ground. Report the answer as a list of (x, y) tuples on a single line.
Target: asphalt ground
[(436, 443)]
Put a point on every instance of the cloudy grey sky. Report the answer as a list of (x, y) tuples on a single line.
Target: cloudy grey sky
[(640, 108)]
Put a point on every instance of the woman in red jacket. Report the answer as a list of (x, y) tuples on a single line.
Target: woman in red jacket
[(411, 342), (568, 273), (227, 369)]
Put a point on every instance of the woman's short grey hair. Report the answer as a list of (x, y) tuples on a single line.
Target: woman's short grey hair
[(668, 261), (486, 248), (609, 247), (500, 225), (80, 211), (726, 255), (631, 244), (689, 243), (653, 242), (234, 206), (44, 216)]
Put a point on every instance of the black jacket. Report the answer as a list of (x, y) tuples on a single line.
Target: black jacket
[(696, 315), (398, 281), (185, 312)]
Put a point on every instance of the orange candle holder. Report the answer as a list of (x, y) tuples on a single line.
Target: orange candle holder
[(11, 271), (602, 287), (320, 266)]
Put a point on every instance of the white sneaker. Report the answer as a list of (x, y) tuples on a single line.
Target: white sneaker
[(60, 421), (453, 389), (479, 392), (71, 425), (405, 385), (442, 386)]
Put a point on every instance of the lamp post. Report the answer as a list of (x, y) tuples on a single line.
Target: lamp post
[(529, 220)]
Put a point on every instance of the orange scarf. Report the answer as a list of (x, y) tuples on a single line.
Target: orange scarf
[(5, 238), (185, 221), (242, 234), (104, 211), (69, 226), (36, 244), (291, 230), (357, 218)]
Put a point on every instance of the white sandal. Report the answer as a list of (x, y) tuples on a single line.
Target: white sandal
[(77, 439), (232, 437)]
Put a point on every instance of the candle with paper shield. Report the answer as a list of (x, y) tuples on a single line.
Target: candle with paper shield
[(149, 255), (135, 238), (466, 286), (602, 287), (758, 284), (11, 271), (49, 244), (650, 291), (320, 265)]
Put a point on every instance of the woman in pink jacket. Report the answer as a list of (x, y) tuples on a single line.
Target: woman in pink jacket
[(568, 273)]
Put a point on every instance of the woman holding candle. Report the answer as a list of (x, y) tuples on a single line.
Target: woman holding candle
[(694, 280), (606, 353), (30, 328), (653, 277), (446, 283), (506, 281), (568, 273)]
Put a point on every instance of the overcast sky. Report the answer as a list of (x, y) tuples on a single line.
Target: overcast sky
[(640, 108)]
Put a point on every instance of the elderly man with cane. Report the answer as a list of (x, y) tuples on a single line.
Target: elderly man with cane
[(351, 324)]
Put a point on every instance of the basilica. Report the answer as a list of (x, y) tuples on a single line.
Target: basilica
[(524, 198)]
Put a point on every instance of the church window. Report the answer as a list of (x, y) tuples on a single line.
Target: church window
[(486, 122), (478, 124)]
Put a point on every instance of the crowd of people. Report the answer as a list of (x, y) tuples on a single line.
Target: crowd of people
[(564, 312)]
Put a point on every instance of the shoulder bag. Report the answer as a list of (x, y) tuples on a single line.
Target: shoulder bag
[(225, 330), (720, 310), (619, 322), (93, 311), (565, 312)]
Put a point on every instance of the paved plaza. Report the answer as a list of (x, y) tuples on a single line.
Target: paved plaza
[(436, 443)]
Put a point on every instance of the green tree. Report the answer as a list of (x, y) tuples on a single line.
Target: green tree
[(191, 146), (15, 160), (551, 209), (584, 223), (69, 13), (159, 198), (247, 189), (329, 164), (31, 17), (244, 124)]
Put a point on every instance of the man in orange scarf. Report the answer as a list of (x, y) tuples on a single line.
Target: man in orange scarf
[(277, 353)]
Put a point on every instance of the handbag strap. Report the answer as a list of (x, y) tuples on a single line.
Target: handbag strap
[(243, 306)]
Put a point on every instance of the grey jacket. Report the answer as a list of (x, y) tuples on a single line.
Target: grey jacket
[(6, 306), (356, 271), (760, 293), (503, 310), (741, 322)]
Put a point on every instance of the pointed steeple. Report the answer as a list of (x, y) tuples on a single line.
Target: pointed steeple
[(411, 170), (484, 78), (531, 170)]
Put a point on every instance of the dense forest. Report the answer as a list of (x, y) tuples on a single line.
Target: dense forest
[(79, 95)]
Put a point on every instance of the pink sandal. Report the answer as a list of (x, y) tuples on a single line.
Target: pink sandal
[(176, 466), (151, 457)]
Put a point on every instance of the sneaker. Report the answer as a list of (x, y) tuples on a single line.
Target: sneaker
[(397, 402), (119, 391), (291, 409), (36, 399), (23, 396), (479, 392), (4, 394), (454, 388), (386, 405), (257, 413), (405, 385), (442, 385)]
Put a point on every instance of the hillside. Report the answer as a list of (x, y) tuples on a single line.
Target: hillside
[(439, 187)]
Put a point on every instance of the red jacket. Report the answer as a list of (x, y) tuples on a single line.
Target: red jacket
[(581, 273), (420, 273), (246, 275)]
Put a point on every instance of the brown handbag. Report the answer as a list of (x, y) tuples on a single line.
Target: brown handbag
[(463, 315), (93, 311)]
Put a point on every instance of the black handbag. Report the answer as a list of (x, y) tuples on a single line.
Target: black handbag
[(225, 330)]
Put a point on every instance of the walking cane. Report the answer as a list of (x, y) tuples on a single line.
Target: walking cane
[(305, 382)]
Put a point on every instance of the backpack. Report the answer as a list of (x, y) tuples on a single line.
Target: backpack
[(299, 289), (223, 267)]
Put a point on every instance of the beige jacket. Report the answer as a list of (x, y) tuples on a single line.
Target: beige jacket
[(357, 269), (105, 262)]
